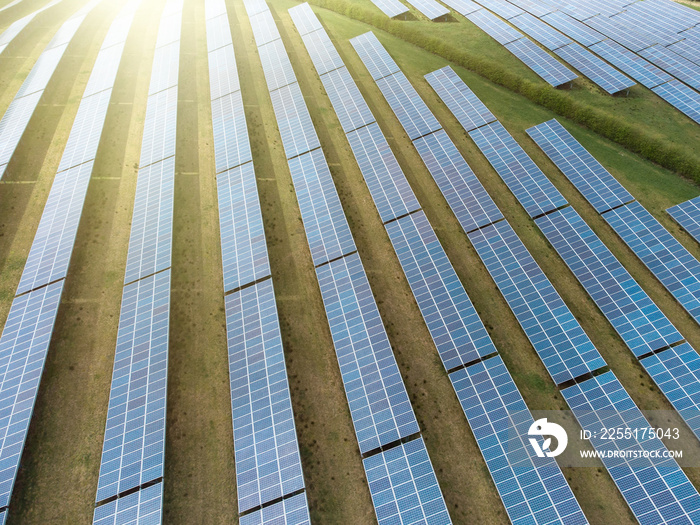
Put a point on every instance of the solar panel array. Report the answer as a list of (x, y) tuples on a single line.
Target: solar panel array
[(541, 32), (542, 63), (391, 8), (131, 470), (463, 7), (16, 27), (605, 76), (671, 62), (574, 29), (533, 489), (290, 511), (429, 8), (655, 488), (680, 96), (687, 214), (635, 66), (27, 332), (21, 109)]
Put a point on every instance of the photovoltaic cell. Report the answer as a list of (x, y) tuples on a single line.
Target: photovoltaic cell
[(218, 32), (687, 214), (53, 242), (554, 332), (571, 27), (534, 8), (640, 323), (374, 56), (290, 511), (665, 257), (268, 465), (160, 127), (322, 51), (327, 230), (390, 190), (676, 371), (144, 507), (494, 27), (463, 7), (673, 63), (134, 443), (41, 73), (635, 66), (104, 71), (543, 64), (467, 198), (460, 100), (605, 76), (253, 7), (169, 29), (379, 405), (502, 8), (632, 40), (530, 186), (391, 8), (243, 246), (404, 488), (305, 19), (13, 124), (276, 65), (680, 97), (544, 34), (454, 325), (223, 75), (415, 117), (594, 182), (687, 48), (348, 103), (533, 489), (429, 8), (656, 489), (150, 242), (23, 348), (231, 144), (264, 28), (293, 120)]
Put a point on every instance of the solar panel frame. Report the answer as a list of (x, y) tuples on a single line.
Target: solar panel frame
[(322, 52), (680, 97), (374, 56), (541, 63), (347, 101), (289, 511), (143, 507), (223, 73), (293, 120), (160, 127), (429, 8), (687, 215), (231, 144)]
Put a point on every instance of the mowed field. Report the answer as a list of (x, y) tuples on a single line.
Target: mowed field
[(60, 465)]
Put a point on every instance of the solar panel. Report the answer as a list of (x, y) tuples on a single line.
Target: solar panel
[(243, 246), (3, 514), (305, 19), (632, 40), (665, 257), (374, 56), (676, 371), (322, 52), (680, 97), (454, 325), (390, 8), (160, 127), (571, 27), (150, 241), (379, 405), (13, 124), (530, 186), (391, 193), (327, 230), (673, 63), (460, 100), (494, 27), (134, 443), (687, 48), (544, 34), (289, 511), (429, 8), (268, 465), (104, 71), (39, 76), (23, 347), (533, 7), (53, 242), (293, 120), (554, 332), (169, 29), (231, 144), (276, 65), (218, 32), (640, 323), (543, 64), (687, 214), (264, 28), (635, 66), (404, 488), (253, 7), (602, 74), (502, 8), (655, 488), (348, 103), (533, 489), (463, 7), (223, 75), (214, 8), (164, 72), (467, 198), (144, 507), (594, 182)]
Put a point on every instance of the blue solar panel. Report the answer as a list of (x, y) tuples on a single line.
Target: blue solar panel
[(348, 103), (276, 65), (605, 76), (390, 190), (223, 75), (379, 405), (429, 8), (571, 27), (134, 443), (676, 371), (456, 329), (687, 214), (537, 59), (305, 19), (52, 247), (23, 348), (681, 68), (534, 7), (150, 242), (533, 489), (404, 488), (655, 488), (635, 66), (326, 227), (544, 34), (502, 8), (680, 97), (322, 51), (463, 7), (554, 332), (530, 186), (415, 117), (594, 182), (293, 120), (160, 127), (243, 246), (688, 48), (290, 511), (632, 40), (665, 257), (268, 465), (640, 323), (144, 507), (461, 101), (466, 196), (374, 56), (494, 27), (3, 514), (231, 144)]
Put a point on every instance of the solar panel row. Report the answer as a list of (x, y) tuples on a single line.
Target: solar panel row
[(635, 66), (687, 214), (463, 7), (539, 31), (542, 63), (144, 507), (602, 74), (429, 8), (391, 8), (681, 97), (290, 511)]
